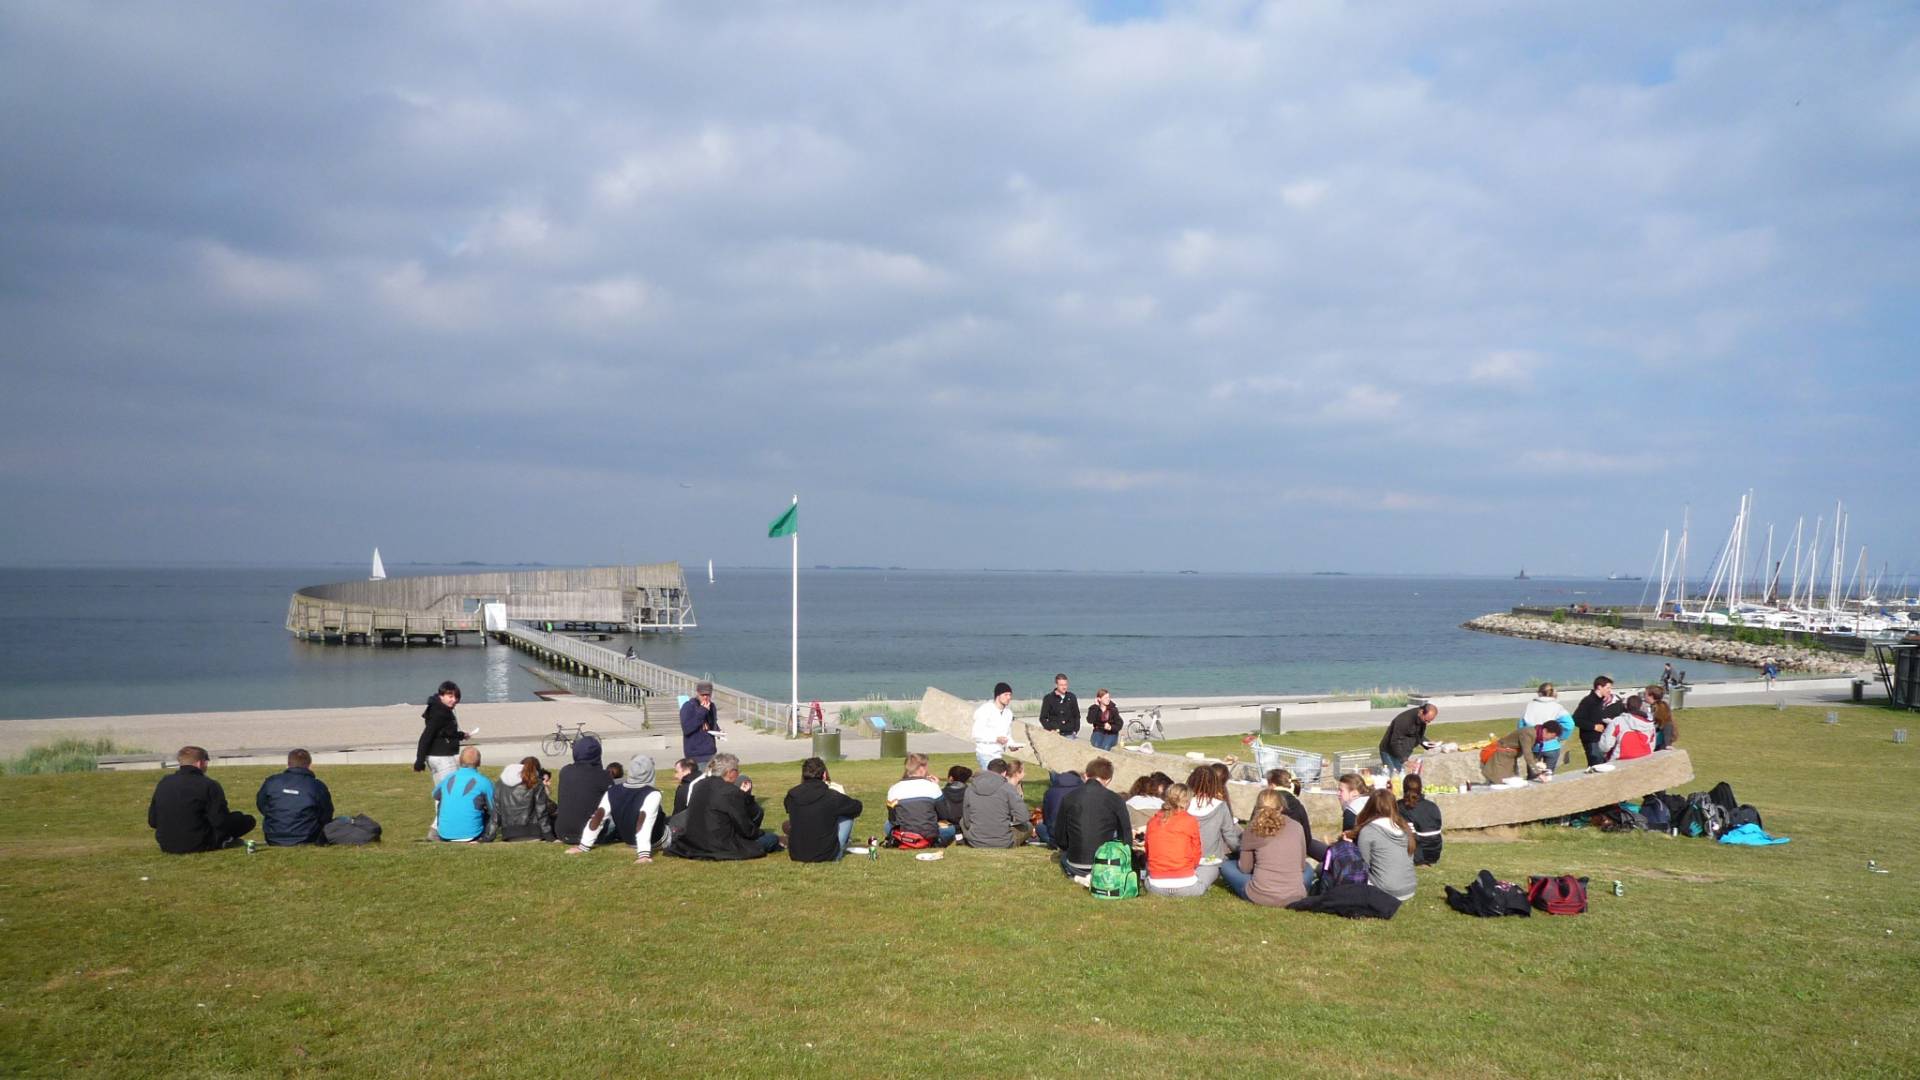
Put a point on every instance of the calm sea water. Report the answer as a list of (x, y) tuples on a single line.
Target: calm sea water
[(115, 641)]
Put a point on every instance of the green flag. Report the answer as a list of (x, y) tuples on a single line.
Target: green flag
[(786, 524)]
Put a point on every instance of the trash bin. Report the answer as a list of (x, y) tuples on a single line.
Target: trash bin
[(826, 745), (1680, 696), (1269, 719), (893, 743), (1859, 689)]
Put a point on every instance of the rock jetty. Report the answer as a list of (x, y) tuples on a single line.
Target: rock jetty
[(1672, 643)]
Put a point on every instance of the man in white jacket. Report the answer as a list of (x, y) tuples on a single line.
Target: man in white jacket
[(993, 725)]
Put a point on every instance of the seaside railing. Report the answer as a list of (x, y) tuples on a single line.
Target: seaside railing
[(734, 704)]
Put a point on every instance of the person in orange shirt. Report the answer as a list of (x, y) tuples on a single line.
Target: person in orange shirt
[(1173, 847)]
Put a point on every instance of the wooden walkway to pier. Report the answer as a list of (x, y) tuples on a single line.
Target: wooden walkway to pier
[(595, 662)]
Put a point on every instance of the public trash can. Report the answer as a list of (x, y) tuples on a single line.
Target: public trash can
[(1859, 689), (1269, 719), (1680, 697), (893, 743), (826, 745)]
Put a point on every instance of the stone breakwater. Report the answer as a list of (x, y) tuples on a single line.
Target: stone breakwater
[(1672, 643)]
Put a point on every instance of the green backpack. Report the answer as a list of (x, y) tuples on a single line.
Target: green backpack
[(1113, 877)]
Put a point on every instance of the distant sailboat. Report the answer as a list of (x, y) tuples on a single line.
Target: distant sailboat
[(379, 571), (709, 571), (1522, 575)]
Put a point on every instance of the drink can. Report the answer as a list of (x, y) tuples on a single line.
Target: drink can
[(250, 847), (1619, 889)]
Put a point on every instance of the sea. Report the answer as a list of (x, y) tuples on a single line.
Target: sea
[(117, 641)]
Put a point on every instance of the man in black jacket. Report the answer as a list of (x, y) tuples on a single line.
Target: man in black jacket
[(189, 811), (440, 734), (581, 785), (1060, 710), (1405, 734), (294, 805), (1591, 715), (820, 817), (723, 821), (1090, 815)]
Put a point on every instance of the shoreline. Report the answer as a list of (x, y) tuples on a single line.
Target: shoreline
[(1713, 650)]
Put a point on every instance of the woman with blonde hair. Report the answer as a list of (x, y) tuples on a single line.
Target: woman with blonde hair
[(1273, 854), (1173, 847)]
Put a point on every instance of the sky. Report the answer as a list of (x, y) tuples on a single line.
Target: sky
[(1388, 287)]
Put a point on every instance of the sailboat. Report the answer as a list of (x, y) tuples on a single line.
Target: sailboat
[(709, 571), (379, 571)]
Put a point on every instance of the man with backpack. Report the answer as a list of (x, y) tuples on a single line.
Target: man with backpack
[(1091, 814), (294, 805)]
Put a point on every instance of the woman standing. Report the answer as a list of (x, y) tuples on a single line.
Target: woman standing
[(1173, 848), (440, 739)]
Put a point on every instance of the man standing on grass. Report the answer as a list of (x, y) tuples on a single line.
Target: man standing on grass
[(1060, 710), (699, 722), (1591, 715), (993, 725), (188, 812), (1091, 815), (294, 805), (1407, 733), (466, 811)]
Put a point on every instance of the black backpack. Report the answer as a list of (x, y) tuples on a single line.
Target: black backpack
[(1703, 817), (351, 831), (1654, 809), (1744, 814), (1722, 796), (1487, 897)]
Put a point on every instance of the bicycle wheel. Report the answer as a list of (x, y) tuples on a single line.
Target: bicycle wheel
[(554, 746)]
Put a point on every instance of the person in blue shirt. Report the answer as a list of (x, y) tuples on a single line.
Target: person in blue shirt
[(294, 805), (464, 799)]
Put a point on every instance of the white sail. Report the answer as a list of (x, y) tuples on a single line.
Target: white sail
[(709, 571), (379, 571)]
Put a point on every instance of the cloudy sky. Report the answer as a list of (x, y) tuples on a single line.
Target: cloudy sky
[(1395, 287)]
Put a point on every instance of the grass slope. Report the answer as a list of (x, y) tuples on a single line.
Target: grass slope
[(116, 960)]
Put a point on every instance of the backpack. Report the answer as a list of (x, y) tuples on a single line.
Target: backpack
[(1113, 877), (1722, 796), (1342, 865), (1703, 817), (908, 839), (1745, 814), (1562, 894), (351, 831), (1487, 897), (1655, 811)]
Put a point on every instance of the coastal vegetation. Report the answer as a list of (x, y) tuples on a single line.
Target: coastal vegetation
[(116, 960), (63, 756), (898, 717)]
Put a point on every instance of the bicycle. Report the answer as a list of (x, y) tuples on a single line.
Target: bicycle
[(1145, 727), (560, 743)]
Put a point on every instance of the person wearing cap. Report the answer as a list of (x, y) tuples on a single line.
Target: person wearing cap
[(699, 722), (993, 725), (581, 786), (629, 812)]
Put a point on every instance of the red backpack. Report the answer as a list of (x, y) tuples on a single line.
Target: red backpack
[(1563, 894), (906, 838)]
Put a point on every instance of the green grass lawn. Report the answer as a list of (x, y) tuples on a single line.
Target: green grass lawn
[(515, 960)]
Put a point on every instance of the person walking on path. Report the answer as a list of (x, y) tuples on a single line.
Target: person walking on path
[(1060, 710), (1770, 670), (1590, 717), (1405, 734), (294, 805), (188, 812), (440, 739), (993, 725), (699, 723), (1668, 678), (1103, 719)]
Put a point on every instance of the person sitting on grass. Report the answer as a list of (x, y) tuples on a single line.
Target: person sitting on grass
[(1219, 833), (294, 805), (820, 816), (1173, 847), (1631, 734), (1423, 817), (1148, 792), (188, 811), (629, 812), (1288, 786), (1354, 790), (996, 811), (911, 815), (581, 786), (685, 772), (951, 806), (1387, 843), (466, 811), (723, 819), (1273, 854), (526, 808), (1059, 786), (1090, 816)]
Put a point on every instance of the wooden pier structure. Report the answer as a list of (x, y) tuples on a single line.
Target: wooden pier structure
[(626, 677), (436, 609)]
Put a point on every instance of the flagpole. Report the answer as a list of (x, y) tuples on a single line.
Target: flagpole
[(793, 704)]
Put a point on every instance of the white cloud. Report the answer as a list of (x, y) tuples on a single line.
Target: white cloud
[(1504, 366), (1119, 480), (256, 279), (1362, 402)]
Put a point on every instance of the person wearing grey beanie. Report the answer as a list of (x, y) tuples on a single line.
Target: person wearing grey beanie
[(629, 812)]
